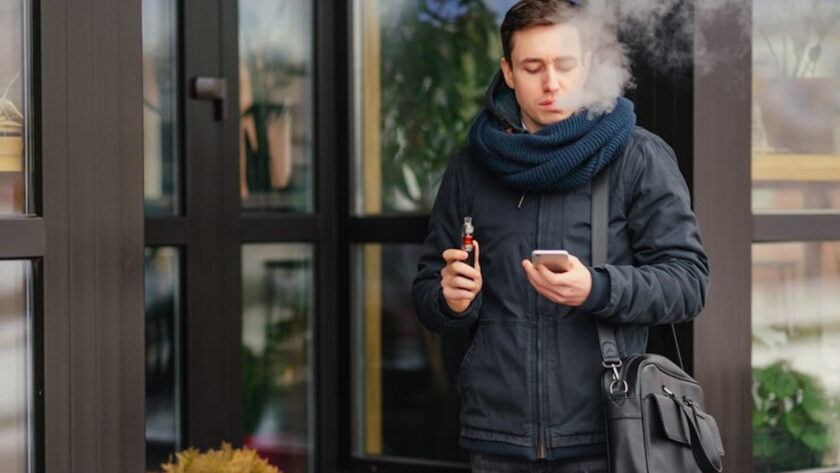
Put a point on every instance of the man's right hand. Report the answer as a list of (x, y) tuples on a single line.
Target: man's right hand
[(460, 281)]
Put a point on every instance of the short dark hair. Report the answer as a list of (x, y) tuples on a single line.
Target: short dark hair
[(527, 13)]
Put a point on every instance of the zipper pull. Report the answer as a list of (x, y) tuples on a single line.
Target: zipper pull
[(542, 445), (521, 199)]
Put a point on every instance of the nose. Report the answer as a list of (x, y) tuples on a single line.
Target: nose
[(551, 80)]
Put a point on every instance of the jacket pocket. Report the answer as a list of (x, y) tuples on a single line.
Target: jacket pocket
[(572, 380), (496, 379), (466, 361)]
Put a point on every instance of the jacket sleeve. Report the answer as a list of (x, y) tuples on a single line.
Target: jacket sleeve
[(444, 233), (669, 278)]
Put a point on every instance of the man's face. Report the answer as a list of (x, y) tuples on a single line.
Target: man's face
[(547, 64)]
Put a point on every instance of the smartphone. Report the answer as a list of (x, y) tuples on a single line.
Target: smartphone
[(555, 260)]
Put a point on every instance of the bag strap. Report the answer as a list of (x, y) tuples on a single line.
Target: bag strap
[(600, 211), (600, 205), (707, 460)]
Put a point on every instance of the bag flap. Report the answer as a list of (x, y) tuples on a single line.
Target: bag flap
[(671, 419), (709, 432), (686, 423)]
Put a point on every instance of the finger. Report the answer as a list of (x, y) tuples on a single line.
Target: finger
[(544, 291), (476, 264), (453, 254), (457, 294), (460, 282), (533, 275), (463, 269), (550, 276)]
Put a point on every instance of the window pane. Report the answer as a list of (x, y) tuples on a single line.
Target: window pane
[(277, 311), (421, 69), (163, 355), (796, 105), (796, 356), (14, 106), (160, 107), (276, 106), (405, 377), (16, 365)]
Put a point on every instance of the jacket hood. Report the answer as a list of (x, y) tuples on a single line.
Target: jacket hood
[(500, 102)]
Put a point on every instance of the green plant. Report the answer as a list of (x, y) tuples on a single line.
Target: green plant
[(437, 58), (225, 460), (794, 420), (10, 116)]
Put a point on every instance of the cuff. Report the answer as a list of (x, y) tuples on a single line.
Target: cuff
[(599, 295), (447, 311)]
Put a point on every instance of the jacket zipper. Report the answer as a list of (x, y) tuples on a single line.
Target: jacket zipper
[(542, 444), (521, 199), (541, 433)]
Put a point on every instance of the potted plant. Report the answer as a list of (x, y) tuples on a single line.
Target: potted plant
[(225, 460), (794, 420), (11, 131)]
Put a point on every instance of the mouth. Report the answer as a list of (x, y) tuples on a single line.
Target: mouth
[(547, 103)]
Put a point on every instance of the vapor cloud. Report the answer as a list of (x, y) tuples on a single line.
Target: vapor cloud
[(662, 32)]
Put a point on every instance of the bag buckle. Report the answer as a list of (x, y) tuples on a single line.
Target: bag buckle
[(616, 381)]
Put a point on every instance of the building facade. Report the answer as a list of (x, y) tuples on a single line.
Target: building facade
[(212, 211)]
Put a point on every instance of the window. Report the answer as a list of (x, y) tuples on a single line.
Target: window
[(277, 316), (162, 185), (275, 104), (15, 110), (795, 256), (420, 71), (163, 354), (16, 350), (796, 106)]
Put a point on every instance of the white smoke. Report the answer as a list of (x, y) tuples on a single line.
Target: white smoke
[(662, 32)]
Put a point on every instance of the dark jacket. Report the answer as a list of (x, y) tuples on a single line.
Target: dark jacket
[(532, 370)]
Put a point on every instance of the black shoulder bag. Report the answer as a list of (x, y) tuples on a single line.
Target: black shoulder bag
[(653, 410)]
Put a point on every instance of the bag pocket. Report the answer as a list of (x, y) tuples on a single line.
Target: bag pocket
[(681, 437)]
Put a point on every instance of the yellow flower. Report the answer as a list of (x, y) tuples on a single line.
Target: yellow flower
[(225, 460)]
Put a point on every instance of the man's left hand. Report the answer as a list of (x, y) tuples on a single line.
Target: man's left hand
[(569, 288)]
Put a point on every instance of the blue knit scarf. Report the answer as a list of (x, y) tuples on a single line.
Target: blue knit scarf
[(558, 157)]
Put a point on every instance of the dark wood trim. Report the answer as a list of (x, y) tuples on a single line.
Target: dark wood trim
[(206, 339), (722, 201), (331, 137), (91, 235), (53, 148), (795, 227), (228, 225), (388, 229), (167, 231), (22, 237), (280, 228), (127, 307)]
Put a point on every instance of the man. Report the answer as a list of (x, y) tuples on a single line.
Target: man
[(530, 379)]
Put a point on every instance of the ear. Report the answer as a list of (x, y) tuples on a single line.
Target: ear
[(507, 72)]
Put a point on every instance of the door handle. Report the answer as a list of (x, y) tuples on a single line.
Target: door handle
[(212, 88)]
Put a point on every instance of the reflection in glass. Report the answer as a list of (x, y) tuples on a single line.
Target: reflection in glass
[(796, 356), (796, 105), (163, 353), (16, 365), (421, 70), (405, 391), (277, 312), (14, 106), (160, 107), (276, 106)]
